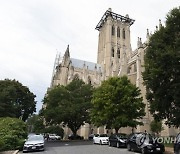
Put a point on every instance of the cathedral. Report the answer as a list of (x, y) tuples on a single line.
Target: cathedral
[(114, 58)]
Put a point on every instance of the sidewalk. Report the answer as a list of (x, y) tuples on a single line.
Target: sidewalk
[(169, 150), (10, 152)]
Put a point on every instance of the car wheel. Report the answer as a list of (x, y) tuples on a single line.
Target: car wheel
[(128, 147), (93, 142), (117, 145), (100, 142), (109, 143)]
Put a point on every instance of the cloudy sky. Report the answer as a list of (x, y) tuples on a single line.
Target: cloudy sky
[(33, 31)]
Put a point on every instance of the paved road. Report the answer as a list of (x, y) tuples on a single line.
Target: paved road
[(79, 147)]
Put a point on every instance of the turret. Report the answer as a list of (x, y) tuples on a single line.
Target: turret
[(139, 43), (147, 34), (114, 39)]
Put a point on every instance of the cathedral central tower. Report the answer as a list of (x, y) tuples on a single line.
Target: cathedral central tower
[(114, 46)]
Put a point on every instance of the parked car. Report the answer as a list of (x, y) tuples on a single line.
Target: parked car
[(144, 143), (34, 143), (75, 137), (54, 137), (90, 137), (177, 144), (118, 140), (100, 139)]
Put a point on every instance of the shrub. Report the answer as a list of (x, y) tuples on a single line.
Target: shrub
[(13, 133)]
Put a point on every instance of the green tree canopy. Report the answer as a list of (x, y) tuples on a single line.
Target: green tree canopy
[(16, 100), (35, 124), (69, 104), (162, 70), (156, 126), (117, 103)]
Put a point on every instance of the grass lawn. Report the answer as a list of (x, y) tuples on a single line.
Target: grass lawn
[(170, 145)]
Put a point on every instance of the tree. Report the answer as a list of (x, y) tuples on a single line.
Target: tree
[(162, 71), (117, 103), (16, 100), (69, 105), (35, 124), (156, 126), (54, 130), (13, 133)]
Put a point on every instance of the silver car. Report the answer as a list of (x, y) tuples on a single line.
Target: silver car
[(34, 143)]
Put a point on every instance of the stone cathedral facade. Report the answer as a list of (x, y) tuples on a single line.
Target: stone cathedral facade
[(114, 58)]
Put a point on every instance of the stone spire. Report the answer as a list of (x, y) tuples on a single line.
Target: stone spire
[(110, 9), (66, 57), (147, 34), (67, 52), (139, 43)]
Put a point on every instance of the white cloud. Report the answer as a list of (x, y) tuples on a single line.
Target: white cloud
[(32, 30)]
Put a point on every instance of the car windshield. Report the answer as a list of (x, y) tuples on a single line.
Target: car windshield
[(96, 135), (103, 135), (35, 138), (121, 135), (52, 135), (146, 136)]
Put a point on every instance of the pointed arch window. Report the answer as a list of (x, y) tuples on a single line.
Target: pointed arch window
[(118, 32), (113, 30), (89, 80), (118, 53), (112, 52), (124, 34)]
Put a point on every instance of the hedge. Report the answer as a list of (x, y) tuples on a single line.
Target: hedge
[(13, 133)]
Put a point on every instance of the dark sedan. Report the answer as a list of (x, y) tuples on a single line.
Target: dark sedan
[(144, 143), (118, 140), (177, 144), (75, 137)]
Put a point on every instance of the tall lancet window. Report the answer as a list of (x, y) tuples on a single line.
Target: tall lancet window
[(118, 32), (124, 34), (112, 52), (113, 30), (89, 80), (118, 53)]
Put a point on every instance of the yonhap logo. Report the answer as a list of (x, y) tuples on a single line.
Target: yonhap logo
[(145, 139), (164, 140), (142, 140)]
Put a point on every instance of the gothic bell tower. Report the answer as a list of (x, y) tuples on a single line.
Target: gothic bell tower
[(114, 46)]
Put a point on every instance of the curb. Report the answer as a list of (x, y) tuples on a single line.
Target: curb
[(15, 152), (10, 152)]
